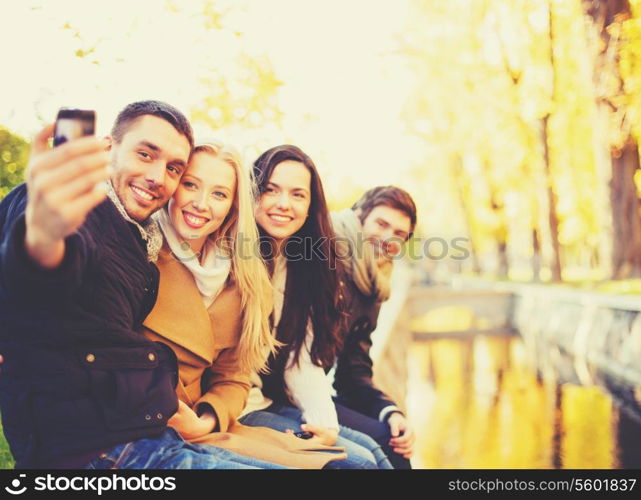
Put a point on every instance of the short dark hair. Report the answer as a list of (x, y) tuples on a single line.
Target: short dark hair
[(389, 196), (160, 109)]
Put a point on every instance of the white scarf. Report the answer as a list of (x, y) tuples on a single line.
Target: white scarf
[(149, 230), (212, 274), (371, 280)]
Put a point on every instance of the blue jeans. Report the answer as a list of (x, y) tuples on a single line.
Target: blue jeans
[(362, 451), (378, 431), (170, 451)]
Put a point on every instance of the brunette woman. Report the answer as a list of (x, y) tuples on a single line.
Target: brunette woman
[(297, 242)]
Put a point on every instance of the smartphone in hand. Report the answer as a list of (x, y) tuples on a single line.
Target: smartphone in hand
[(72, 124)]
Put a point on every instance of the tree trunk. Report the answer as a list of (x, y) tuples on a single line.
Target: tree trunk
[(467, 211), (500, 235), (603, 160), (626, 257), (536, 255), (553, 219), (624, 198), (500, 232), (504, 263)]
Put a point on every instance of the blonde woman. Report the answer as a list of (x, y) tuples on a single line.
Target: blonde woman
[(213, 307)]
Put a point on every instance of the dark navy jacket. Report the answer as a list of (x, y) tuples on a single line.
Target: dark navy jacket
[(353, 377), (77, 377)]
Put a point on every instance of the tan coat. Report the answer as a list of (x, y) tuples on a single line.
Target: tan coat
[(205, 342)]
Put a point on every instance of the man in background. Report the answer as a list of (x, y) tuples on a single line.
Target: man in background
[(376, 228)]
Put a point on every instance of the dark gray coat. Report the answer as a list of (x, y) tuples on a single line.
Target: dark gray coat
[(77, 377), (353, 378)]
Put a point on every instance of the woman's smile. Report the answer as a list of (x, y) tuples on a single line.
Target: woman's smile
[(194, 221)]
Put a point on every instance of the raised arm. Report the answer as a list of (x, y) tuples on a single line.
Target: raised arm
[(63, 187), (41, 249)]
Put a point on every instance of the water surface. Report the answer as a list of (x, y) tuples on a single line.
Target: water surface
[(479, 403)]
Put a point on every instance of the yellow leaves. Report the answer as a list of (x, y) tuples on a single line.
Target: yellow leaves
[(213, 18), (630, 68), (246, 98), (13, 159), (261, 76), (507, 79), (637, 181)]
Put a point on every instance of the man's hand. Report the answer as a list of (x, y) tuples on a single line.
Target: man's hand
[(322, 435), (189, 425), (63, 186), (401, 444)]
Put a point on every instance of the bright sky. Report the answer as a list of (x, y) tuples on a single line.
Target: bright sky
[(343, 86)]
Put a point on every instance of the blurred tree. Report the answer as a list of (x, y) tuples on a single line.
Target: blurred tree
[(510, 92), (215, 72), (230, 88), (14, 152), (553, 217), (479, 98), (464, 199), (514, 63), (616, 75)]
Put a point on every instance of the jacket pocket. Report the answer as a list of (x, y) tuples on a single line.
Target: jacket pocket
[(133, 387)]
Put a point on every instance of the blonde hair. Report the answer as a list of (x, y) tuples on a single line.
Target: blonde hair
[(238, 236)]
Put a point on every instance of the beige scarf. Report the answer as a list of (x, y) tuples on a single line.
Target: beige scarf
[(149, 230), (371, 280), (210, 272)]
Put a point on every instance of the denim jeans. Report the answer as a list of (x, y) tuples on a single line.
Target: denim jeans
[(170, 451), (378, 431), (362, 451)]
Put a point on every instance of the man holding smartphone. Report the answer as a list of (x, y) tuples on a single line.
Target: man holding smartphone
[(79, 386), (376, 227)]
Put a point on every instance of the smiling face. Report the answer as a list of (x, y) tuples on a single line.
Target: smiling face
[(148, 162), (203, 199), (386, 229), (284, 205)]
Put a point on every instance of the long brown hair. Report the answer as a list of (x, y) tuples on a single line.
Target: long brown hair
[(312, 287)]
